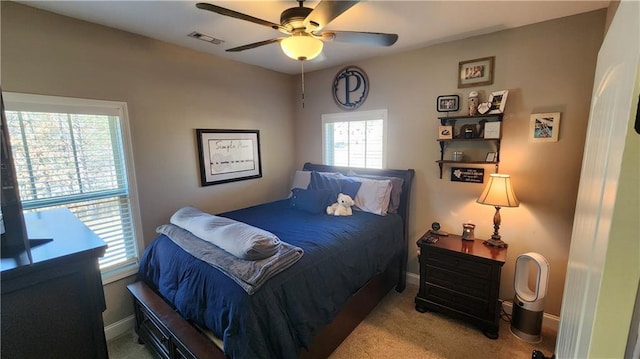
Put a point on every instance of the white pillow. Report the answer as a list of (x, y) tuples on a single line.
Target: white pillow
[(373, 195)]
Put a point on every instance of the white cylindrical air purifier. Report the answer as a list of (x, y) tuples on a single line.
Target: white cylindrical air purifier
[(526, 318)]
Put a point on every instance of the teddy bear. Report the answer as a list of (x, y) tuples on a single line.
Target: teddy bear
[(342, 207)]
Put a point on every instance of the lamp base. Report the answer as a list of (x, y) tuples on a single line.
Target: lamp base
[(493, 242)]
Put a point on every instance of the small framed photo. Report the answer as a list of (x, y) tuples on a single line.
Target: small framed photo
[(498, 101), (544, 127), (448, 103), (445, 132), (478, 72), (491, 157)]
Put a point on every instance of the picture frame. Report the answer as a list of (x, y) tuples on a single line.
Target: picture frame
[(491, 157), (448, 103), (498, 101), (544, 127), (228, 155), (445, 132), (492, 130), (476, 72)]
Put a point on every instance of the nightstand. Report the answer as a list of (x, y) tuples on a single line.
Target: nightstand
[(461, 279)]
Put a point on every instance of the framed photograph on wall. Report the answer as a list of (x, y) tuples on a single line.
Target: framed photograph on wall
[(477, 72), (228, 155), (498, 101), (544, 127), (448, 103)]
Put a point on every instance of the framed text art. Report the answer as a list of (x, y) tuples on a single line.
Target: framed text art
[(228, 155), (544, 127), (478, 72)]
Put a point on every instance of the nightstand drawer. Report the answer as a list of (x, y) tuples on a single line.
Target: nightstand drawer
[(460, 282), (458, 301), (460, 264)]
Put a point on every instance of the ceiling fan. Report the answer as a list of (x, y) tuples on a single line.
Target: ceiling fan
[(304, 26)]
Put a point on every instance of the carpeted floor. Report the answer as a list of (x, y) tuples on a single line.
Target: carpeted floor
[(396, 330)]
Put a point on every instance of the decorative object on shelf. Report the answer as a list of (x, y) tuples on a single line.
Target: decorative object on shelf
[(228, 155), (458, 156), (477, 72), (435, 229), (498, 193), (484, 107), (445, 132), (468, 131), (448, 103), (492, 130), (467, 231), (473, 103), (544, 127), (491, 157), (463, 174), (350, 87), (498, 101)]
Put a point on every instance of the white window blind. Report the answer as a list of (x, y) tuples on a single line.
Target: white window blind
[(75, 153), (355, 139)]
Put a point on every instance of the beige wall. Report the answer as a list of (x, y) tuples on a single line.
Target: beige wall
[(546, 67), (170, 91)]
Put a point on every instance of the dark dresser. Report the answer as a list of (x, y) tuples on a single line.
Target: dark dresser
[(52, 308), (461, 279)]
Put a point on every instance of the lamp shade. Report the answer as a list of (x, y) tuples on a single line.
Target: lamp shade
[(301, 46), (499, 192)]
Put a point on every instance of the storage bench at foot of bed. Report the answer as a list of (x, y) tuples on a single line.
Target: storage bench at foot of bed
[(159, 326)]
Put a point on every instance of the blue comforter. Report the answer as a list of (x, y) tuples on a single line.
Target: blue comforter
[(340, 255)]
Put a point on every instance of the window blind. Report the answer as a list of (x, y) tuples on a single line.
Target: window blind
[(67, 158), (355, 139)]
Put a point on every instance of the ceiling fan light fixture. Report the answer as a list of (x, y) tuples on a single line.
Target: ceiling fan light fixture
[(301, 46)]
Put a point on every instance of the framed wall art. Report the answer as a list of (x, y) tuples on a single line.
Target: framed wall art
[(498, 101), (544, 127), (448, 103), (228, 155), (478, 72)]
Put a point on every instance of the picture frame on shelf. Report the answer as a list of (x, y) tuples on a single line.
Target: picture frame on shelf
[(476, 72), (492, 130), (448, 103), (491, 157), (445, 132), (544, 127), (498, 101), (228, 155)]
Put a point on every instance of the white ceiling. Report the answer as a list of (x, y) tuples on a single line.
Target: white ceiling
[(418, 24)]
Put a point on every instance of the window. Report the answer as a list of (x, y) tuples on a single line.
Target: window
[(76, 153), (355, 139)]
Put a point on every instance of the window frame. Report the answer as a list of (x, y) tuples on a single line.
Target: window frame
[(370, 115), (15, 101)]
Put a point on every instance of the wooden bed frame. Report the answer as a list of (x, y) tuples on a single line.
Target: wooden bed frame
[(171, 336)]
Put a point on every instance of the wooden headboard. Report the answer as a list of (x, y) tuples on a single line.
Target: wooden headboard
[(403, 208)]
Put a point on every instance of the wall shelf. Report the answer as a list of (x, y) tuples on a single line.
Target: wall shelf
[(457, 122)]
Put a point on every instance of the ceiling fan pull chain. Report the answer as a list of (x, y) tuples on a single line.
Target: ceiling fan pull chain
[(302, 66)]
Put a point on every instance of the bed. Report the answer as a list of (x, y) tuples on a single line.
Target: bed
[(185, 308)]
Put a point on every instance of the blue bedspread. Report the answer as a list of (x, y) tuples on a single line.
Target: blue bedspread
[(341, 255)]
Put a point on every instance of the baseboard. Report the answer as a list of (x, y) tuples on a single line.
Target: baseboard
[(120, 327), (548, 320)]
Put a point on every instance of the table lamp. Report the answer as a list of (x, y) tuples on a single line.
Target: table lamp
[(498, 193)]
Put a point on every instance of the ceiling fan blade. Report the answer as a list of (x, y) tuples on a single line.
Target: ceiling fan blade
[(355, 37), (237, 15), (255, 44), (325, 12)]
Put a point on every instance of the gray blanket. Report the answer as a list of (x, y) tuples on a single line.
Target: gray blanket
[(249, 274)]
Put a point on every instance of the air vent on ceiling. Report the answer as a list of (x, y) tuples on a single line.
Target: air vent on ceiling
[(207, 38)]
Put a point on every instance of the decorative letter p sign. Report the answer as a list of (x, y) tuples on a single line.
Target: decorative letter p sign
[(350, 87)]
